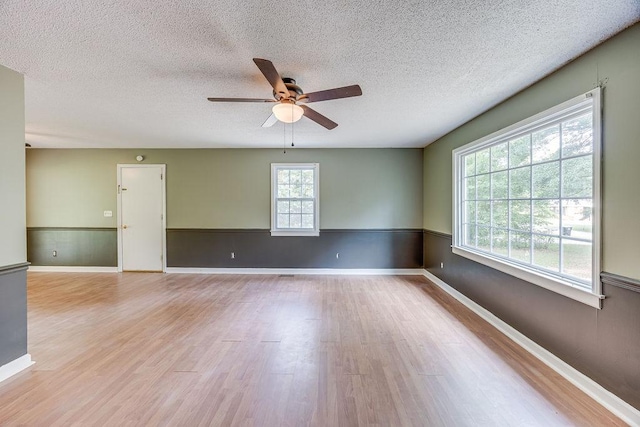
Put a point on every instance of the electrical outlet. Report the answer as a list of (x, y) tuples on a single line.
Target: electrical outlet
[(55, 253), (337, 255), (233, 255), (442, 265)]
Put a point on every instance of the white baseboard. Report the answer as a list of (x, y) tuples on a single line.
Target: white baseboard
[(15, 366), (613, 403), (71, 269), (302, 271)]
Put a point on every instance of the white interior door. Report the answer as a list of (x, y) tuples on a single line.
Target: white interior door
[(141, 213)]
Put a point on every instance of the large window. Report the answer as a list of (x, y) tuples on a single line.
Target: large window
[(294, 199), (527, 199)]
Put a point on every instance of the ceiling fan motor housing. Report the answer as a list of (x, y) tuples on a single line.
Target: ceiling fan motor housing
[(294, 90)]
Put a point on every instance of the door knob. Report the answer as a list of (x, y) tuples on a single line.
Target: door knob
[(124, 227)]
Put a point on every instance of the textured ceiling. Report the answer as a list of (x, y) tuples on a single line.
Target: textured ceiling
[(126, 73)]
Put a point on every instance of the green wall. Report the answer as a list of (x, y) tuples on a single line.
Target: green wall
[(617, 63), (228, 188), (12, 164)]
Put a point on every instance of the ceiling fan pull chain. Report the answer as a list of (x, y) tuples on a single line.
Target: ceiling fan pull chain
[(292, 123)]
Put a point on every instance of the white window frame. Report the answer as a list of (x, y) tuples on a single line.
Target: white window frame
[(274, 195), (560, 285)]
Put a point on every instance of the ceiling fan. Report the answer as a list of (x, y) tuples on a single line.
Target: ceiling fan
[(290, 98)]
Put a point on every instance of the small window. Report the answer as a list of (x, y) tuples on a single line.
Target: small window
[(294, 199), (526, 199)]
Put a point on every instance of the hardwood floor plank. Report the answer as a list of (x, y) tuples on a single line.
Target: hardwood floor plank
[(198, 350)]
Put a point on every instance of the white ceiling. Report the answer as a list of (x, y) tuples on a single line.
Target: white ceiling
[(127, 73)]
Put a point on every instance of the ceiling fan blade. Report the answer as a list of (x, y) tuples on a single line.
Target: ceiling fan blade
[(318, 118), (271, 120), (240, 100), (273, 77), (337, 93)]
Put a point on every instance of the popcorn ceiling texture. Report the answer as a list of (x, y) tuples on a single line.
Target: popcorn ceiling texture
[(124, 73)]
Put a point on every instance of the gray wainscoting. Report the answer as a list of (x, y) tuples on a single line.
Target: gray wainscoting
[(13, 312), (602, 344), (93, 247), (211, 248)]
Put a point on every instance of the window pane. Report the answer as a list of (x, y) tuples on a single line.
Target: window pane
[(470, 235), (576, 259), (307, 191), (501, 214), (295, 207), (307, 177), (484, 238), (500, 242), (520, 215), (483, 183), (296, 221), (470, 188), (470, 164), (577, 218), (577, 136), (307, 221), (546, 217), (283, 191), (296, 176), (577, 177), (283, 207), (283, 221), (283, 176), (499, 182), (546, 252), (469, 212), (482, 161), (520, 183), (484, 213), (546, 144), (520, 246), (307, 207), (520, 151), (546, 180), (499, 157), (295, 191)]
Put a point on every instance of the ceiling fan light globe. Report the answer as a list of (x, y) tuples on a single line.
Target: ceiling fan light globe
[(287, 113)]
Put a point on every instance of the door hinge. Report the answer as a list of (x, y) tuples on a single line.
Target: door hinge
[(161, 176)]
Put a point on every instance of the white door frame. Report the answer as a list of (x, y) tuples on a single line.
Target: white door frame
[(164, 210)]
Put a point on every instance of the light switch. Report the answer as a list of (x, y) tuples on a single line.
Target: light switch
[(108, 214)]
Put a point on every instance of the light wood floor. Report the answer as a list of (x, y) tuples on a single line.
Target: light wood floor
[(191, 350)]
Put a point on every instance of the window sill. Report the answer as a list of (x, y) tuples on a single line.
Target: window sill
[(294, 233), (550, 283)]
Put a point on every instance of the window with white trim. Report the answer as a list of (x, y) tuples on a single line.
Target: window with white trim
[(294, 199), (527, 199)]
